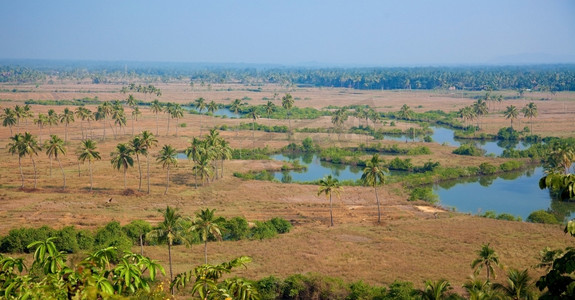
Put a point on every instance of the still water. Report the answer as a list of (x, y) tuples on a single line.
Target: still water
[(219, 112)]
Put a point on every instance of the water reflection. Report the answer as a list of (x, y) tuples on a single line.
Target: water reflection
[(219, 112)]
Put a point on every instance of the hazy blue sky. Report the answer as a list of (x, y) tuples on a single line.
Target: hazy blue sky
[(366, 32)]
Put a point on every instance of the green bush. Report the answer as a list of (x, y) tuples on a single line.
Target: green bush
[(400, 164), (423, 193), (281, 225), (510, 165), (487, 169), (263, 230), (17, 240), (67, 240), (362, 291), (137, 229), (269, 288), (468, 149), (235, 229), (112, 235), (541, 216)]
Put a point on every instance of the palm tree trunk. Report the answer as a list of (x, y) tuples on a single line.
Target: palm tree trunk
[(139, 170), (170, 261), (21, 173), (148, 163), (35, 178), (141, 245), (177, 121), (104, 136), (196, 177), (63, 174), (50, 166), (125, 173), (133, 125), (167, 181), (206, 250), (168, 130), (378, 209), (66, 133), (254, 134), (90, 167), (330, 210), (222, 173), (79, 172)]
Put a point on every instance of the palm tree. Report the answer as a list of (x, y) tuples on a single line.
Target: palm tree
[(287, 104), (338, 118), (202, 167), (15, 147), (519, 285), (41, 121), (511, 113), (135, 114), (168, 158), (374, 175), (254, 115), (88, 153), (486, 257), (53, 119), (148, 140), (168, 110), (54, 147), (269, 108), (156, 108), (405, 112), (204, 224), (225, 152), (67, 117), (530, 112), (9, 118), (200, 104), (328, 186), (480, 109), (122, 159), (177, 112), (435, 290), (83, 114), (168, 231), (138, 148), (212, 107), (193, 153), (119, 117)]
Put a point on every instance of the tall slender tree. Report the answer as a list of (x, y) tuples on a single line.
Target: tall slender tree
[(122, 159), (287, 104), (254, 115), (67, 117), (41, 121), (9, 118), (511, 113), (167, 231), (148, 140), (530, 112), (139, 149), (374, 176), (212, 107), (200, 105), (205, 225), (55, 148), (156, 108), (168, 158), (329, 186), (486, 257), (15, 147), (88, 152)]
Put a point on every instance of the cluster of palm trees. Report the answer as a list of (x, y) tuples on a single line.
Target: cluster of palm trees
[(373, 176), (12, 116), (26, 144), (150, 89), (205, 154), (474, 112), (529, 111)]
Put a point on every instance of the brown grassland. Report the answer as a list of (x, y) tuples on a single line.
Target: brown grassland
[(410, 243)]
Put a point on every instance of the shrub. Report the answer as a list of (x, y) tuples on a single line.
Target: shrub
[(137, 229), (112, 235), (510, 165), (235, 229), (399, 164), (360, 290), (263, 230), (281, 225), (423, 193), (508, 133), (17, 240), (541, 216), (67, 240), (468, 149), (269, 288), (487, 169)]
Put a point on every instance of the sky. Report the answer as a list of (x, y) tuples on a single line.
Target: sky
[(291, 32)]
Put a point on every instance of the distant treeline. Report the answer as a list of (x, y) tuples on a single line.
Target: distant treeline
[(550, 78)]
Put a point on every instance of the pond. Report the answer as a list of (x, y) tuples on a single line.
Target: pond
[(515, 193), (442, 135), (219, 112)]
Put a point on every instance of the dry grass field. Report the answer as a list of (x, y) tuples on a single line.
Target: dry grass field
[(410, 243)]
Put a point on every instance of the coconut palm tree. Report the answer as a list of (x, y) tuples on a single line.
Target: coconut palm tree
[(287, 104), (329, 186), (225, 152), (269, 108), (168, 158), (200, 104), (212, 145), (119, 117), (374, 175), (530, 112), (338, 118), (205, 225), (168, 108), (83, 114), (122, 159), (405, 112), (53, 119), (511, 113), (486, 257), (193, 153), (156, 108), (88, 153), (177, 112), (168, 231), (254, 115), (67, 117), (15, 148), (480, 109), (437, 290), (41, 121), (212, 107), (54, 148), (138, 148), (518, 285), (148, 140), (135, 114), (202, 167), (9, 118)]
